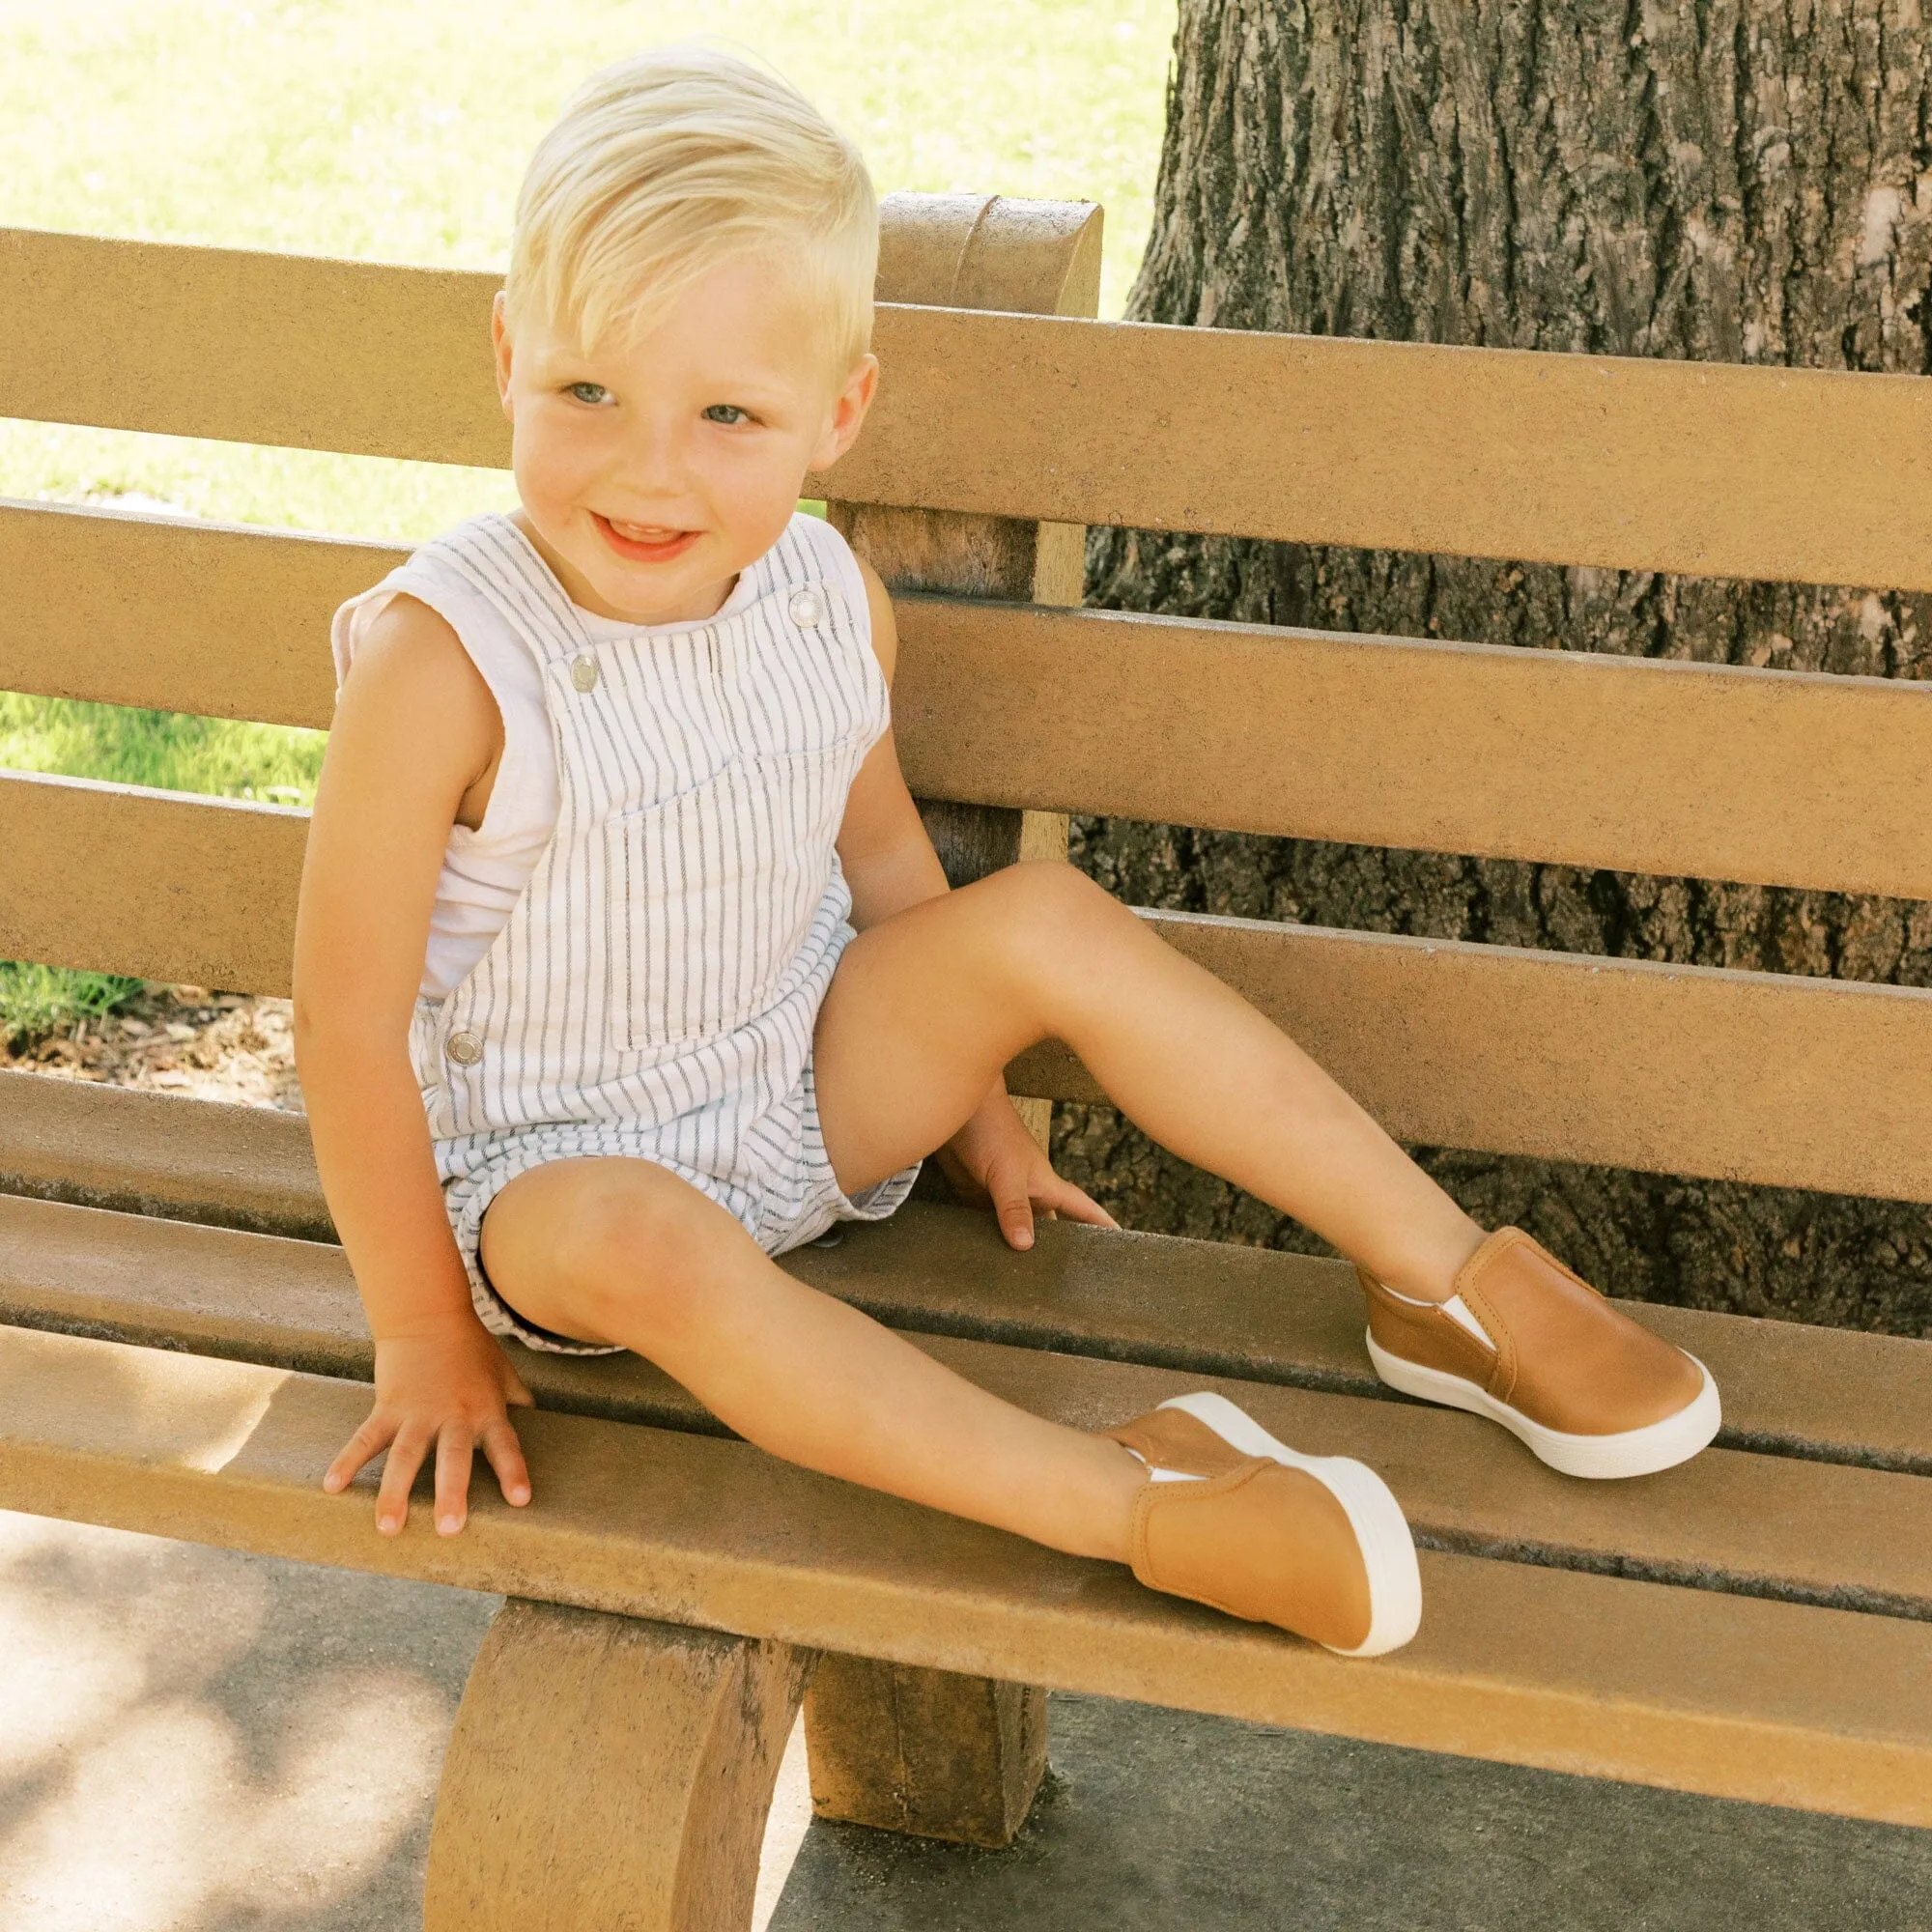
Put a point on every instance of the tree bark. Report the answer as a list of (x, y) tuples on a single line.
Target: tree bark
[(1712, 182)]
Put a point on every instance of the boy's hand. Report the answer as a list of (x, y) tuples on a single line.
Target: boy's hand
[(450, 1386), (993, 1161)]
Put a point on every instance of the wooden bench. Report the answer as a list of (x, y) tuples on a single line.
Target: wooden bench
[(185, 1344)]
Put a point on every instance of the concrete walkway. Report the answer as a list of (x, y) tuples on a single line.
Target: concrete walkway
[(198, 1741)]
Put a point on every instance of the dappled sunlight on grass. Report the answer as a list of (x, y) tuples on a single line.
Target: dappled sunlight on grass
[(273, 764), (34, 999), (287, 489), (398, 131), (390, 131)]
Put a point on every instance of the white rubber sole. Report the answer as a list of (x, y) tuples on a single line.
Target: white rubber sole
[(1381, 1530), (1635, 1452)]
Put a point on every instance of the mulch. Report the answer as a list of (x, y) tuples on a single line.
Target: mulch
[(177, 1039)]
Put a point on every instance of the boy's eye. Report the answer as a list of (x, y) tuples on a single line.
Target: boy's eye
[(588, 392), (728, 413)]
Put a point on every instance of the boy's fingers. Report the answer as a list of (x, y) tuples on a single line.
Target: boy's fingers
[(964, 1185), (517, 1395), (1015, 1211), (507, 1458), (368, 1442), (393, 1500), (1076, 1206), (455, 1449)]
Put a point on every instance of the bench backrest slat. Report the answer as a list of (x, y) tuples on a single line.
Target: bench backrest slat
[(122, 607), (1587, 760), (294, 351), (1766, 1077), (1769, 778), (1797, 475), (1574, 757)]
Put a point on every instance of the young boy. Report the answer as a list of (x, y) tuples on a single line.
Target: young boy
[(586, 1030)]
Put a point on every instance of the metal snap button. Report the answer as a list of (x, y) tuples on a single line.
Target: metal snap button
[(807, 607), (584, 673), (464, 1048)]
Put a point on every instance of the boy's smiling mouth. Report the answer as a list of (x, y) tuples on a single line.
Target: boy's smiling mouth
[(645, 543)]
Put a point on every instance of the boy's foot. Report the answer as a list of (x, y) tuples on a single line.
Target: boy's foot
[(1527, 1342), (1232, 1517)]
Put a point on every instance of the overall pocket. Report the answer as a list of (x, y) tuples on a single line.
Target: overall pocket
[(711, 895)]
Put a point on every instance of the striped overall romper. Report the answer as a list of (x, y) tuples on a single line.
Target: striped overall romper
[(654, 989)]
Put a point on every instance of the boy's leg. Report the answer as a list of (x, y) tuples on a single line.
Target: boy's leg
[(623, 1251), (927, 1007)]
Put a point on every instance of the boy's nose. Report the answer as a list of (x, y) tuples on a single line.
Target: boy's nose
[(653, 468)]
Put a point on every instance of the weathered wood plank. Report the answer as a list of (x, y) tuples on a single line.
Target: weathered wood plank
[(1676, 1069), (1764, 1077), (298, 351), (1750, 1524), (176, 615), (1716, 470), (1764, 777), (1209, 1308), (1802, 475), (122, 879), (1774, 1702)]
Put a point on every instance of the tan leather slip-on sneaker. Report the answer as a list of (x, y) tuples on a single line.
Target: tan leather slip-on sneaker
[(1230, 1517), (1590, 1391)]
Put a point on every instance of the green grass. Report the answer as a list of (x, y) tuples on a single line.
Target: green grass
[(217, 757), (214, 756), (38, 1000), (397, 130)]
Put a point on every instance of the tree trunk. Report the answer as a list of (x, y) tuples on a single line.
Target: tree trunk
[(1718, 183)]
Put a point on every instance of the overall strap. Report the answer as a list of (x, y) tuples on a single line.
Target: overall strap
[(495, 559)]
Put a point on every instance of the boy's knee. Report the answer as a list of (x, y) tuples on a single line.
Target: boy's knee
[(1055, 908), (633, 1252)]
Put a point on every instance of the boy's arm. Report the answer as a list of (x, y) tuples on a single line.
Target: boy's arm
[(890, 865), (888, 861), (415, 730)]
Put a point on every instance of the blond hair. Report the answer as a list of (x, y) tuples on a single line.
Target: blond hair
[(664, 165)]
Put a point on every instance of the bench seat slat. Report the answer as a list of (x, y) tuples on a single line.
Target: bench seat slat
[(1828, 1394), (1777, 1525), (1796, 475), (1772, 1079), (1739, 1697), (1576, 757)]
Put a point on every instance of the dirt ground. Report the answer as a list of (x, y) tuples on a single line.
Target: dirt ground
[(179, 1039)]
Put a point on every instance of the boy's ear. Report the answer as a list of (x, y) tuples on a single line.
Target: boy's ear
[(500, 337), (848, 413)]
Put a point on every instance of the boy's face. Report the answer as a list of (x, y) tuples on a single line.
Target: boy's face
[(652, 471)]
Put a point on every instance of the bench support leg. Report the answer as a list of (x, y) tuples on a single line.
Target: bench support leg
[(609, 1773), (925, 1752)]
